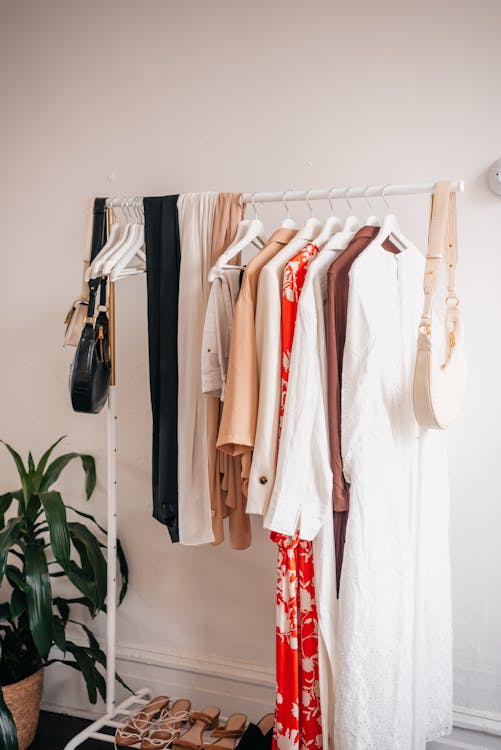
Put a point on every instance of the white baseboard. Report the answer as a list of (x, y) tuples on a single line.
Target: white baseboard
[(233, 685)]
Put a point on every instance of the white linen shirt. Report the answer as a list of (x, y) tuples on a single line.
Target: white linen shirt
[(303, 484)]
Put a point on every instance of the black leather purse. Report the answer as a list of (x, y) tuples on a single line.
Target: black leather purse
[(90, 372)]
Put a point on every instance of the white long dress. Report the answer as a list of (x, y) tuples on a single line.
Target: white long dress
[(196, 218), (393, 669)]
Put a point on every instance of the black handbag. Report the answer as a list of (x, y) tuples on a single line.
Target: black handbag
[(90, 372)]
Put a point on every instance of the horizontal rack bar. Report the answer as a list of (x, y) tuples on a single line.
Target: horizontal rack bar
[(369, 191)]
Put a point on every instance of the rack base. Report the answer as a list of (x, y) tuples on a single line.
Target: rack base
[(129, 706)]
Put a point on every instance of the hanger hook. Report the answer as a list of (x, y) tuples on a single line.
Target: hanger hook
[(254, 205), (129, 209), (133, 209), (308, 193), (138, 206), (385, 187), (347, 199), (329, 198), (122, 204), (284, 196), (367, 199)]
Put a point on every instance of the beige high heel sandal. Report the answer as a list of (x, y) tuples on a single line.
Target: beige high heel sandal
[(229, 734), (201, 722), (165, 729), (135, 727)]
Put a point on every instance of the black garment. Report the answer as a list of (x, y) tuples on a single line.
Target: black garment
[(163, 258)]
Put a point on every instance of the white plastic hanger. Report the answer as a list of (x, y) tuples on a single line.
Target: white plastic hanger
[(118, 232), (249, 231), (390, 229), (332, 225), (120, 259), (120, 237), (372, 220), (287, 223), (352, 222), (313, 226), (92, 268), (340, 240)]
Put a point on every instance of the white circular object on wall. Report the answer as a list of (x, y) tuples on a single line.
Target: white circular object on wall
[(494, 177)]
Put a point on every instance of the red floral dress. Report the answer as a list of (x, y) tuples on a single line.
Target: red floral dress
[(297, 711)]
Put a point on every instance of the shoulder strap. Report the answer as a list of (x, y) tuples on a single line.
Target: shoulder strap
[(97, 237), (94, 285), (442, 246)]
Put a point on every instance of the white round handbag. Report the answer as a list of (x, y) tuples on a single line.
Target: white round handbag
[(440, 389)]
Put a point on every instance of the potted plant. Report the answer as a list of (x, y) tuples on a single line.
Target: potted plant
[(40, 546)]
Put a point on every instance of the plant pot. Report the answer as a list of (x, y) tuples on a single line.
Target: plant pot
[(23, 699)]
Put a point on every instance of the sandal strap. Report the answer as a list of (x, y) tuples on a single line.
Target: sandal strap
[(206, 719), (232, 733)]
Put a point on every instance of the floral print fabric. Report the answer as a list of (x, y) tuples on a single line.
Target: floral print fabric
[(297, 713)]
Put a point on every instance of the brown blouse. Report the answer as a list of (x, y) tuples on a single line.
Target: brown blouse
[(336, 309)]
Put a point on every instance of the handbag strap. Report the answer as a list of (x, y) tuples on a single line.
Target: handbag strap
[(94, 285), (442, 246), (102, 294), (97, 238)]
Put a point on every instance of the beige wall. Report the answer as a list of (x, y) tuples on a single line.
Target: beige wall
[(161, 97)]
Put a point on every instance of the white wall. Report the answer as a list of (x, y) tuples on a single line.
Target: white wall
[(160, 97)]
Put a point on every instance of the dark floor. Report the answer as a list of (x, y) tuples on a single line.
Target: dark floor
[(55, 730)]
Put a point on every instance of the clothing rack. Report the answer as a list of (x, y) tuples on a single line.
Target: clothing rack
[(133, 703)]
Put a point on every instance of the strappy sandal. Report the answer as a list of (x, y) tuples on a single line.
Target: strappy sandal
[(229, 734), (201, 721), (166, 728), (135, 727)]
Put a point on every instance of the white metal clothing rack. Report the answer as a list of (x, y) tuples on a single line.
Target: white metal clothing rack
[(115, 713)]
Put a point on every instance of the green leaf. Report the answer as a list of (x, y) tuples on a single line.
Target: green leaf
[(17, 603), (57, 466), (122, 561), (15, 577), (8, 537), (8, 732), (84, 583), (124, 572), (4, 612), (31, 463), (87, 668), (39, 597), (25, 482), (5, 503), (63, 605), (91, 557), (43, 463), (55, 513), (87, 516), (89, 466), (59, 633)]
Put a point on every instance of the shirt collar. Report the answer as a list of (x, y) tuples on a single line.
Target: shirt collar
[(283, 235)]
